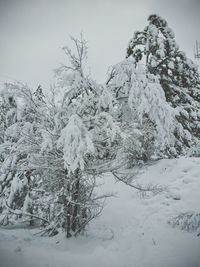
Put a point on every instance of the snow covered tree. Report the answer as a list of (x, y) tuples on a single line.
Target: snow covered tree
[(21, 119), (156, 47), (80, 135), (145, 117), (50, 146)]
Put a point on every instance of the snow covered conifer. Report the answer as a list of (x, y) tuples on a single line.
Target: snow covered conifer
[(156, 47)]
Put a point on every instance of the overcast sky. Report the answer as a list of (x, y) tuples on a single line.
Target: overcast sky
[(33, 31)]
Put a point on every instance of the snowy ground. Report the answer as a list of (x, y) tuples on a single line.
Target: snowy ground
[(131, 232)]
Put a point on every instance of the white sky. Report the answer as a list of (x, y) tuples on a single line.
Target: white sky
[(33, 31)]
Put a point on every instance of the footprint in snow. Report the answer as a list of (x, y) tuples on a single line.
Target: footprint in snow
[(187, 180), (197, 174), (173, 195)]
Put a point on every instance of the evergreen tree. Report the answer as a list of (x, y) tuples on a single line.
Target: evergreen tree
[(156, 47)]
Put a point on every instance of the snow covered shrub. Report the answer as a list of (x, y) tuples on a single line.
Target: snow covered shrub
[(188, 221)]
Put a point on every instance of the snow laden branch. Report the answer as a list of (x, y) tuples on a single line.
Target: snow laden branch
[(76, 143), (146, 96)]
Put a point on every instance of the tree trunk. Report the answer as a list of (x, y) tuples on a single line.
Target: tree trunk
[(71, 205), (75, 197)]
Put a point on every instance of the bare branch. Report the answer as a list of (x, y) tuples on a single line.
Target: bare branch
[(155, 189)]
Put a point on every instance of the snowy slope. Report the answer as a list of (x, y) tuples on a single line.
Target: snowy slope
[(132, 231)]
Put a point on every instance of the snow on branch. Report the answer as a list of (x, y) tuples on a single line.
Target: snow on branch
[(76, 142)]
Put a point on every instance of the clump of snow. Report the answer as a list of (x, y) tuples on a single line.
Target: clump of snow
[(76, 142), (27, 203), (16, 186)]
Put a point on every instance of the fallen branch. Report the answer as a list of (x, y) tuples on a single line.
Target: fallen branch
[(150, 188)]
